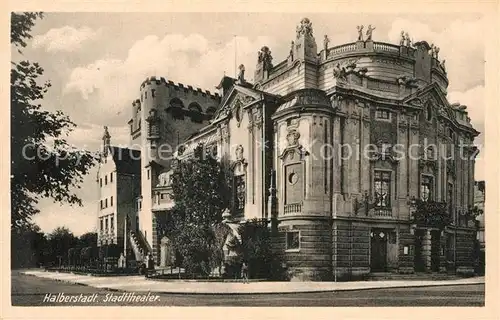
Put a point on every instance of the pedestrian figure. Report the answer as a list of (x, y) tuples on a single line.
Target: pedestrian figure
[(244, 272)]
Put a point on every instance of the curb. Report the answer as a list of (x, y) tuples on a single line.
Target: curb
[(269, 293)]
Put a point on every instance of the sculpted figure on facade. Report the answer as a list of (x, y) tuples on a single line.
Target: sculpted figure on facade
[(360, 32), (436, 50), (369, 32), (403, 38), (339, 72), (239, 152), (292, 47)]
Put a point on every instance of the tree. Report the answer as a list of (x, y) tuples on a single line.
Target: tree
[(255, 247), (29, 246), (200, 193), (61, 239), (431, 213), (88, 239), (43, 164)]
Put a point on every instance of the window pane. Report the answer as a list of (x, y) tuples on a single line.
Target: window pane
[(292, 240)]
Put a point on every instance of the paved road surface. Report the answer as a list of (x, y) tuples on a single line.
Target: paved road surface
[(30, 291)]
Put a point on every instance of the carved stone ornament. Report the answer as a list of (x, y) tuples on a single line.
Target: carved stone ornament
[(239, 152), (304, 28), (238, 111), (292, 138)]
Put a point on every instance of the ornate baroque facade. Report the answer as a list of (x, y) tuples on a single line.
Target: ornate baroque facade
[(339, 213)]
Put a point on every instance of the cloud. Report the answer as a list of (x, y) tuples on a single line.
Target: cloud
[(66, 38), (89, 136), (460, 43), (188, 59), (78, 220)]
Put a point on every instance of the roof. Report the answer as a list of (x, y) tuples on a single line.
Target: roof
[(126, 160)]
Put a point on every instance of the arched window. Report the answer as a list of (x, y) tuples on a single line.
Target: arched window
[(428, 112)]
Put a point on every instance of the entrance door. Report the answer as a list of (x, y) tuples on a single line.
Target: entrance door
[(419, 259), (378, 252), (435, 250)]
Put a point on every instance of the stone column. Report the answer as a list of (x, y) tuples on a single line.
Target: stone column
[(426, 250)]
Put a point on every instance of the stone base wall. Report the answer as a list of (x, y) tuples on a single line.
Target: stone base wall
[(312, 261), (351, 249)]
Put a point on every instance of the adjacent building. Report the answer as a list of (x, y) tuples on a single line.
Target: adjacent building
[(296, 138), (118, 185)]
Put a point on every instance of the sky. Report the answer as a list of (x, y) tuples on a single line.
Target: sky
[(97, 61)]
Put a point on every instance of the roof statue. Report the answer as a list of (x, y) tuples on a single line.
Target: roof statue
[(360, 32), (403, 38), (369, 32), (265, 57), (241, 74), (326, 41), (305, 28)]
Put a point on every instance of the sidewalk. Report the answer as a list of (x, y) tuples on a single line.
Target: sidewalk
[(140, 284)]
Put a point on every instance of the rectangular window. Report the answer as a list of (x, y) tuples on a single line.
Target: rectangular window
[(426, 188), (382, 114), (111, 177), (292, 240), (111, 201), (131, 128), (106, 221), (239, 195), (106, 180), (102, 226), (382, 183), (112, 222), (101, 204), (450, 200), (100, 182), (148, 174), (106, 203)]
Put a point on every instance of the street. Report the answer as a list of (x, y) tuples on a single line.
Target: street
[(30, 291)]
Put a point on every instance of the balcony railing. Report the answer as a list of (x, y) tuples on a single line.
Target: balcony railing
[(382, 212), (292, 208)]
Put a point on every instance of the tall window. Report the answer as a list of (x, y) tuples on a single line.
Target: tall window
[(112, 222), (102, 226), (292, 240), (111, 177), (426, 188), (105, 180), (239, 195), (382, 189), (100, 182), (101, 204), (106, 203), (450, 200), (106, 221), (111, 200)]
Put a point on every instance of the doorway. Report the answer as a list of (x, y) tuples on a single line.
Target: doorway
[(378, 250), (419, 259)]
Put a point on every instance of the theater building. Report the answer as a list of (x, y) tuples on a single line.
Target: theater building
[(296, 137)]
